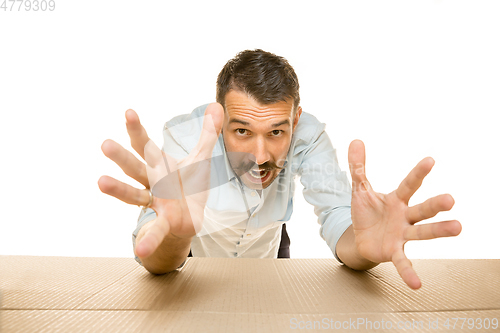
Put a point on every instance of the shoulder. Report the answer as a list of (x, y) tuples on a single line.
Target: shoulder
[(308, 130), (185, 129), (188, 119)]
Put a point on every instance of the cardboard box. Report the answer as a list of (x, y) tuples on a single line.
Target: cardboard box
[(62, 294)]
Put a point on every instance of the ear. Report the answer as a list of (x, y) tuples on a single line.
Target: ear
[(296, 119)]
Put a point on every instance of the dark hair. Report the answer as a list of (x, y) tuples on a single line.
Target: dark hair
[(264, 76)]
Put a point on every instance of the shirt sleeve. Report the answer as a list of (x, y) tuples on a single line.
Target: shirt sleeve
[(171, 147), (327, 188)]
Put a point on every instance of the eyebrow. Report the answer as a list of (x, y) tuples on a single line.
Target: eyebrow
[(246, 123), (284, 122)]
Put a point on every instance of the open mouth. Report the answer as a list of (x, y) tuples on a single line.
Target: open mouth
[(258, 176), (258, 173)]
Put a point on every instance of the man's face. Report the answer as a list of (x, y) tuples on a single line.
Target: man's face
[(257, 137)]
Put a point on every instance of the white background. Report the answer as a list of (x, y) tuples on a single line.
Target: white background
[(410, 79)]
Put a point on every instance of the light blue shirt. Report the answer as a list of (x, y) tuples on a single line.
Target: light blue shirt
[(245, 223)]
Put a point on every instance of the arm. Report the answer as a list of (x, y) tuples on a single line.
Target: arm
[(327, 188)]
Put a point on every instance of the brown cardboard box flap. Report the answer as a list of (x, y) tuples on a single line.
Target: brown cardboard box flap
[(50, 294)]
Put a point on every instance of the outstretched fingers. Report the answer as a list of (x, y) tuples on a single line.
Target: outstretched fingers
[(212, 125), (195, 169), (405, 269), (430, 208), (412, 182), (356, 158), (433, 230), (138, 135), (123, 192), (126, 161)]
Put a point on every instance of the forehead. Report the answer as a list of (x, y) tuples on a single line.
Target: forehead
[(243, 107)]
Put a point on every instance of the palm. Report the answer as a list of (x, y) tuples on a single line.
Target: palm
[(372, 221), (383, 223), (179, 187)]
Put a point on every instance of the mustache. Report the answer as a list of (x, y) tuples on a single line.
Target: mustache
[(267, 166), (244, 162)]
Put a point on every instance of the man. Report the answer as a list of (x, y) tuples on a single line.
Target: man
[(223, 185)]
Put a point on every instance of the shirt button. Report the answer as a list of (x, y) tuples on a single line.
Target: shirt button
[(236, 254), (238, 243), (252, 194)]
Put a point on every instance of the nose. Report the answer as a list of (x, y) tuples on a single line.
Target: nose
[(261, 152)]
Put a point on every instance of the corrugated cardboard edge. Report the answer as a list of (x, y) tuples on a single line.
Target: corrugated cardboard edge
[(268, 295)]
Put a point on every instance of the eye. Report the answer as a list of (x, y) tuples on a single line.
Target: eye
[(241, 131), (277, 132)]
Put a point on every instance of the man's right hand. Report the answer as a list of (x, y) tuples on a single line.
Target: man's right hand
[(180, 187)]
